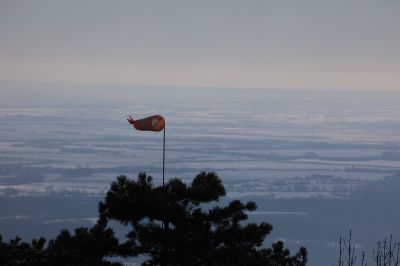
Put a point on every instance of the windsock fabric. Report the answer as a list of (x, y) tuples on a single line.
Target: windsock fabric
[(151, 123)]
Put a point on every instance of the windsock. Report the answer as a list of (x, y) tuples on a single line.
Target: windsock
[(151, 123)]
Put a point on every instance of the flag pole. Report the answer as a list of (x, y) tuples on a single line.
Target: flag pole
[(163, 183), (163, 162)]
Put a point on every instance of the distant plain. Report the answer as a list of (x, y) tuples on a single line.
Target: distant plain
[(316, 163)]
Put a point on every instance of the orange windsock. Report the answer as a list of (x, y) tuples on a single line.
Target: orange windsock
[(151, 123)]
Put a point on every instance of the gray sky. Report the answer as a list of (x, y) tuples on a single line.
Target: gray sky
[(259, 44)]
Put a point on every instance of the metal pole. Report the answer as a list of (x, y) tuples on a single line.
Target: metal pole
[(163, 183), (163, 161)]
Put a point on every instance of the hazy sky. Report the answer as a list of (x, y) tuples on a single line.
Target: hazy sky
[(265, 44)]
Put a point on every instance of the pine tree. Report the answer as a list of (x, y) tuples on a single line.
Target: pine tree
[(177, 225)]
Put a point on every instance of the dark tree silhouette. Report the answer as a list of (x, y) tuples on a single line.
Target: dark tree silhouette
[(86, 247), (176, 224), (16, 252), (172, 225)]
